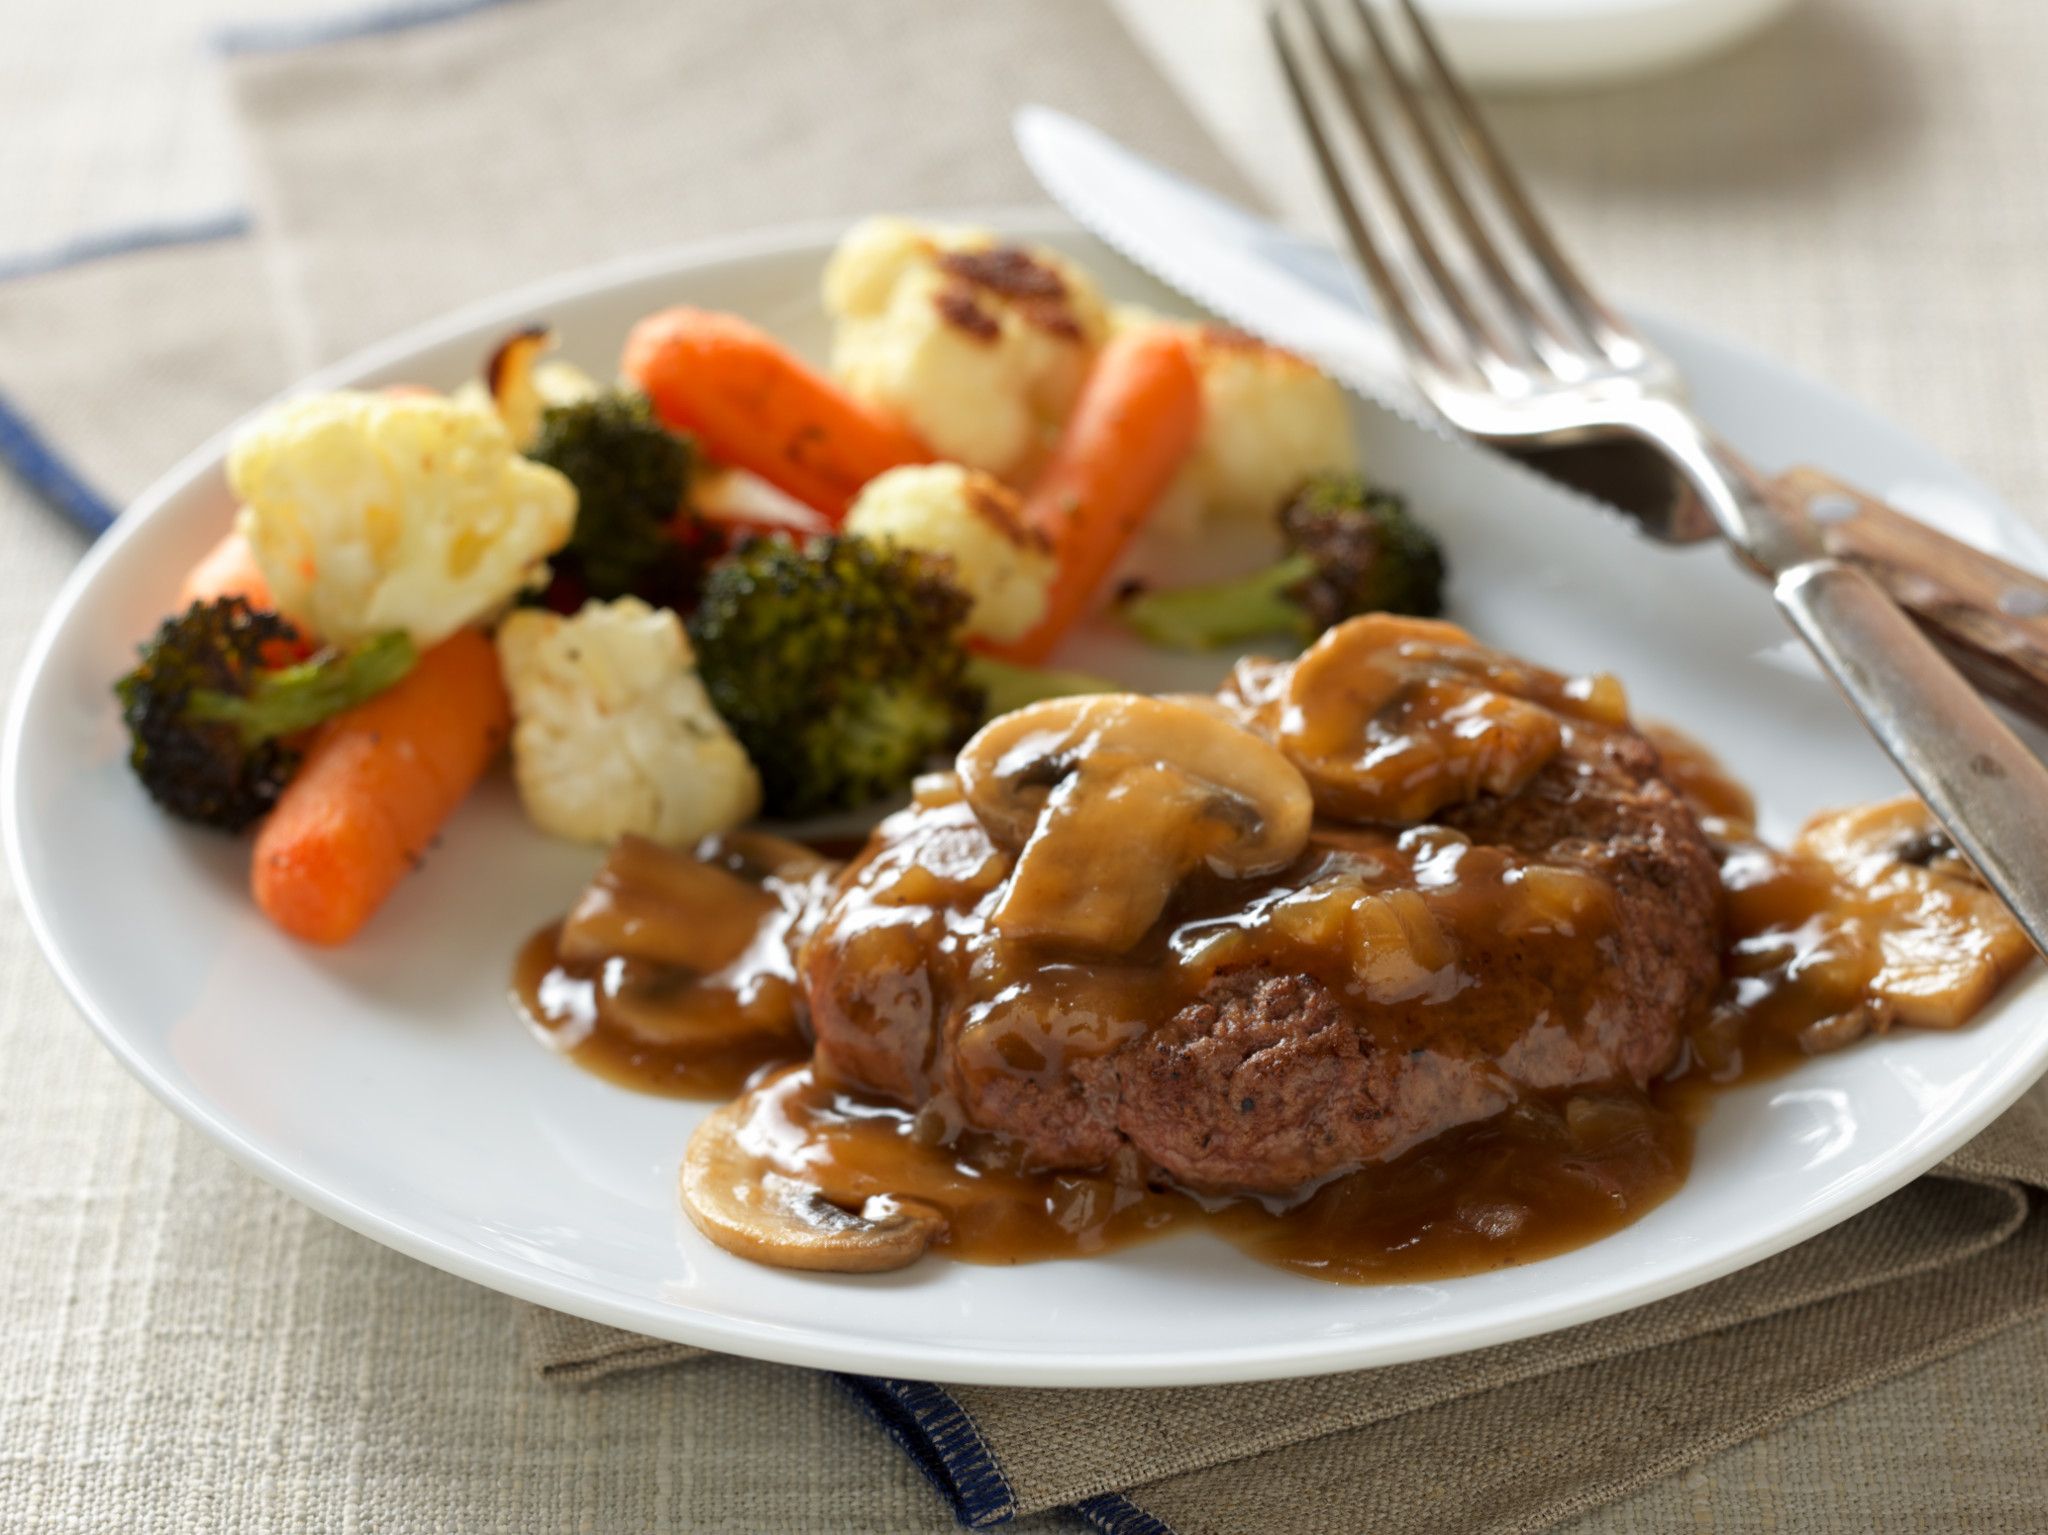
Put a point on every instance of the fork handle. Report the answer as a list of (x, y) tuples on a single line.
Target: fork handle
[(1990, 618)]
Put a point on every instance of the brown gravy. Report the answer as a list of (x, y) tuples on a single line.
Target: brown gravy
[(1808, 964), (1541, 1179), (652, 1028), (633, 1005)]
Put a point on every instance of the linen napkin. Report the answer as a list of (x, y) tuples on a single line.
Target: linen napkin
[(476, 177)]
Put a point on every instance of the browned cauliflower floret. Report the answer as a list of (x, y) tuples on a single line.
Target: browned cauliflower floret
[(980, 346)]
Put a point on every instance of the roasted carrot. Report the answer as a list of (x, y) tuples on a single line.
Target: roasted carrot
[(228, 569), (757, 406), (376, 785), (1131, 430)]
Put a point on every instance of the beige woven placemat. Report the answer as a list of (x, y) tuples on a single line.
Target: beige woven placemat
[(196, 1352)]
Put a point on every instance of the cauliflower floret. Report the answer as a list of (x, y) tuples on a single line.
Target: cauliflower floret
[(613, 733), (1270, 419), (974, 520), (373, 512), (981, 347)]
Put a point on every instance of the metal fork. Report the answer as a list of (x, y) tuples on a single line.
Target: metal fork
[(1511, 345)]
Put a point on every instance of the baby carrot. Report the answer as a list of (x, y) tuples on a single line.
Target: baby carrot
[(228, 569), (756, 406), (376, 785), (1131, 430)]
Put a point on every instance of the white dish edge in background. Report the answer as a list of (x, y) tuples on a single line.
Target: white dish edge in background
[(1555, 45), (1213, 50), (390, 1088)]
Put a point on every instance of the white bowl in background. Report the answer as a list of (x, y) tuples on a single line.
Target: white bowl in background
[(1561, 44)]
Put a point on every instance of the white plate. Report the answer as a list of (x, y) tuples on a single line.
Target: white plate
[(389, 1086)]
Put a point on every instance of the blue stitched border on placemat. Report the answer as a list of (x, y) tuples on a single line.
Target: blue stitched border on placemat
[(23, 448), (1115, 1514), (40, 467), (241, 38), (224, 225), (944, 1442), (399, 16)]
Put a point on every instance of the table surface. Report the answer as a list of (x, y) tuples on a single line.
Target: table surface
[(1864, 192)]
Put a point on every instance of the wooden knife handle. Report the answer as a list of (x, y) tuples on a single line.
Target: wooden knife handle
[(1989, 617)]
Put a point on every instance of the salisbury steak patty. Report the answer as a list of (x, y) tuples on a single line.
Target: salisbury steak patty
[(1390, 980), (1267, 1083), (1270, 1081)]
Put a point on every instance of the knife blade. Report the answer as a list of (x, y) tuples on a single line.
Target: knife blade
[(1288, 290)]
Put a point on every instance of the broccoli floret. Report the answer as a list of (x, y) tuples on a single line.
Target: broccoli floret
[(213, 704), (839, 665), (632, 474), (1350, 550)]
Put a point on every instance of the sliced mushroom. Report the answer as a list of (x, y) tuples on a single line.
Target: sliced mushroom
[(650, 903), (1113, 799), (1393, 719), (674, 1010), (1946, 943), (760, 855), (739, 1200)]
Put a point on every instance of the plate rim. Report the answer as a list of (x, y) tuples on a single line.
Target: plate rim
[(779, 1343)]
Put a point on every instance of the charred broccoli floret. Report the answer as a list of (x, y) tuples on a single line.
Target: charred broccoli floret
[(1350, 550), (839, 665), (632, 474), (217, 697)]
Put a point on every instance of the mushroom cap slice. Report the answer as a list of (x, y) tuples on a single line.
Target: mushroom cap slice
[(1112, 799), (755, 1211), (1393, 719), (1945, 942), (671, 908)]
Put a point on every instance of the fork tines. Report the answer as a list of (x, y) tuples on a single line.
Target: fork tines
[(1463, 268)]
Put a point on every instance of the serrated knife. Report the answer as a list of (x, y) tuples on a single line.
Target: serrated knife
[(1992, 617)]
